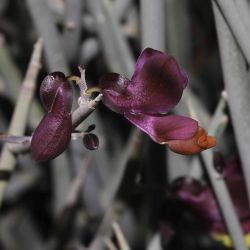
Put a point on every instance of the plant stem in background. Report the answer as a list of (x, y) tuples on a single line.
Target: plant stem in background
[(238, 90), (153, 24), (243, 7), (45, 27), (72, 33), (237, 25), (225, 202), (12, 79), (19, 118)]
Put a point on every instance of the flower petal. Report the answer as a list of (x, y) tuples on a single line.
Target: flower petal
[(113, 87), (144, 56), (51, 137), (164, 128), (155, 88), (49, 87), (204, 202), (157, 84)]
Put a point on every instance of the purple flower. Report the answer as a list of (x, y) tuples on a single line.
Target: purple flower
[(201, 199), (154, 89)]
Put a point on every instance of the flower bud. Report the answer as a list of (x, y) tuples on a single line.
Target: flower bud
[(53, 134)]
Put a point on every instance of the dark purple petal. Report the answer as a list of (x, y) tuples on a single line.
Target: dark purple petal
[(205, 205), (113, 88), (51, 137), (49, 87), (62, 101), (165, 128), (155, 88), (158, 86), (144, 56), (53, 134)]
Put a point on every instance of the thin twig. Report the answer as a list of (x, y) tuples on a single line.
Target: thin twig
[(110, 245), (83, 111), (13, 79), (122, 242), (104, 230), (19, 117)]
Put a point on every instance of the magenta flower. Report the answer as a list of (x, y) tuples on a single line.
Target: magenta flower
[(154, 89), (201, 199)]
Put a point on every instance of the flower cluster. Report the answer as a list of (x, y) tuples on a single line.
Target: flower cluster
[(146, 100)]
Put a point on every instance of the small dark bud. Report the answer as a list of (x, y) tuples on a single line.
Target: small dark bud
[(91, 141)]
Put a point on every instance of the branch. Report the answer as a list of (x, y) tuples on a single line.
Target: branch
[(43, 21), (153, 24), (238, 91), (236, 24), (19, 117), (122, 242)]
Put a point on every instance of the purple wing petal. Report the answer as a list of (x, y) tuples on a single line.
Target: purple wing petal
[(164, 128), (155, 88), (144, 56), (157, 85)]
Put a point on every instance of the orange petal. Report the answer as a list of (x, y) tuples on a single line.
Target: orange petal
[(199, 142)]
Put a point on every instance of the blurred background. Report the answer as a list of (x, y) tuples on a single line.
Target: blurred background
[(72, 201)]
